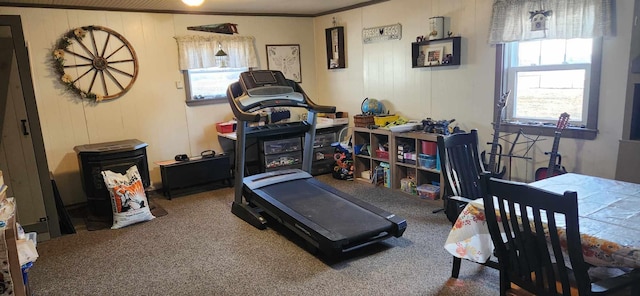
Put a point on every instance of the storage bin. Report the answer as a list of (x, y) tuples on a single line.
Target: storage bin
[(281, 160), (322, 167), (324, 140), (429, 191), (382, 154), (427, 161), (226, 127), (429, 148), (363, 120), (384, 120), (324, 153), (280, 146)]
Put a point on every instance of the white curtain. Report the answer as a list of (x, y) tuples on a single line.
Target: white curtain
[(569, 19), (197, 51)]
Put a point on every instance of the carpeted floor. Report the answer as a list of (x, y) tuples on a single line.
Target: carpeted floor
[(200, 248)]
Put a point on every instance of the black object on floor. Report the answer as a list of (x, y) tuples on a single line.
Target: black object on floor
[(105, 222), (196, 174), (66, 226)]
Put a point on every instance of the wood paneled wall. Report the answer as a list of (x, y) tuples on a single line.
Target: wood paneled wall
[(154, 110)]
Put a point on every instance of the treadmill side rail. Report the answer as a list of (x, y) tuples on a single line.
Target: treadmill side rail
[(269, 178)]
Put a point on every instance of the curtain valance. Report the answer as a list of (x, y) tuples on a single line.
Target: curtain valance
[(197, 51), (564, 19)]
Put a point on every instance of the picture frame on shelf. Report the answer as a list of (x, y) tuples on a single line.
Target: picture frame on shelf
[(433, 55), (336, 58), (285, 58)]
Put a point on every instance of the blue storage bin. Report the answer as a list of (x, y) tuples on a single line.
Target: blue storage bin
[(427, 161)]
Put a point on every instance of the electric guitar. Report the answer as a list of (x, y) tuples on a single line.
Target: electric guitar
[(494, 166), (554, 169)]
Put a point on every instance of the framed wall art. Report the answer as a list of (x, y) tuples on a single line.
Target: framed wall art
[(433, 55), (285, 58), (335, 48)]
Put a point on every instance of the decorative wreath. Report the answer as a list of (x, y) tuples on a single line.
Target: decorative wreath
[(104, 53)]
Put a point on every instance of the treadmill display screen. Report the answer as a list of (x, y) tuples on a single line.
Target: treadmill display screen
[(264, 77)]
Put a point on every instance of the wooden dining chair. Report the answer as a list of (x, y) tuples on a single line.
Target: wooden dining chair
[(461, 167), (537, 241)]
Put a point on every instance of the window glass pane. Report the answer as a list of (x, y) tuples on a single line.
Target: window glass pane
[(529, 53), (552, 52), (544, 95), (212, 83), (579, 51)]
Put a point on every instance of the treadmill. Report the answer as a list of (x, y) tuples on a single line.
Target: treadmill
[(329, 220)]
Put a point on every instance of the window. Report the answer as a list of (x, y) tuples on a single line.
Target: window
[(546, 78), (209, 85)]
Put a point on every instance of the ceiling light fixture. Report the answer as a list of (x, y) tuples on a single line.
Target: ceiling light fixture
[(193, 2)]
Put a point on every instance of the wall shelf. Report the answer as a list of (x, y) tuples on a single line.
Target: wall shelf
[(436, 53)]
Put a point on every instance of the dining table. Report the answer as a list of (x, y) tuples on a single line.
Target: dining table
[(608, 217)]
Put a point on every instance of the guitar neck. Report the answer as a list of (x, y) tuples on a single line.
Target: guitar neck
[(554, 154), (494, 146), (496, 132)]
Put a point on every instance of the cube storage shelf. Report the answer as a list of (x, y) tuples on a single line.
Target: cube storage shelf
[(439, 49), (402, 165)]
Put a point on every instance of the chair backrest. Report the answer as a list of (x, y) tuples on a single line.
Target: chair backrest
[(461, 167), (460, 163), (536, 224)]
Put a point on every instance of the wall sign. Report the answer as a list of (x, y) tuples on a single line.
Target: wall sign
[(388, 32)]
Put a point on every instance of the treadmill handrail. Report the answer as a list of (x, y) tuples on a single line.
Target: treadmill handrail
[(237, 111)]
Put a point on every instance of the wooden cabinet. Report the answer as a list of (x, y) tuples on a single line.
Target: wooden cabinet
[(436, 53), (399, 156), (194, 174)]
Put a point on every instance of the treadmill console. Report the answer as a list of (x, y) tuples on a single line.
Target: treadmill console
[(265, 82), (266, 88)]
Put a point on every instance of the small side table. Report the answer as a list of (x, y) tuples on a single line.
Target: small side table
[(196, 174)]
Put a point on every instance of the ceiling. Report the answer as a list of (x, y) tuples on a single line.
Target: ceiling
[(307, 8)]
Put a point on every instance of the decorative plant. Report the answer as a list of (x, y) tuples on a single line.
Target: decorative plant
[(58, 55)]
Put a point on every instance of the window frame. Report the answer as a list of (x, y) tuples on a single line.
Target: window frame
[(207, 101), (588, 131)]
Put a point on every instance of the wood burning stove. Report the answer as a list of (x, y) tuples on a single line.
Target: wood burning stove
[(116, 156)]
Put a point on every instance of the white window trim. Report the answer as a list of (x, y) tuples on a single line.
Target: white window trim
[(207, 100), (589, 131)]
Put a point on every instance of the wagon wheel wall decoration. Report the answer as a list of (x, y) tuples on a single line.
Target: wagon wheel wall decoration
[(95, 63)]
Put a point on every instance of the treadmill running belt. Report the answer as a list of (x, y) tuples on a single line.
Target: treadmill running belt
[(327, 209)]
